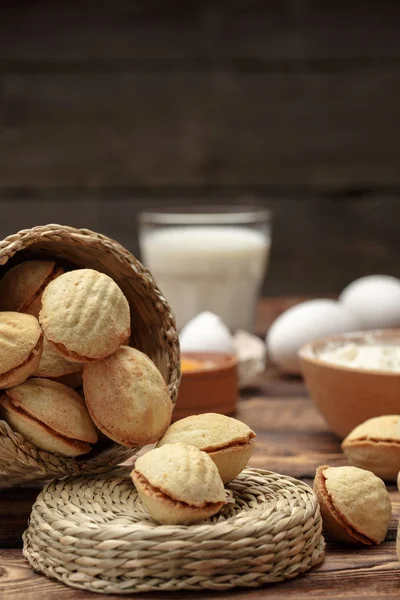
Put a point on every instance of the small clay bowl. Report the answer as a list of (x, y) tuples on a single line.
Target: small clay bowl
[(346, 396), (211, 386)]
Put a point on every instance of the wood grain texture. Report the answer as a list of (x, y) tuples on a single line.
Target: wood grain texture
[(319, 243), (110, 108), (206, 94), (92, 130), (292, 439), (234, 31), (15, 507), (355, 574), (20, 214)]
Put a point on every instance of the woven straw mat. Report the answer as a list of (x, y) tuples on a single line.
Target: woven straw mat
[(93, 533), (153, 332)]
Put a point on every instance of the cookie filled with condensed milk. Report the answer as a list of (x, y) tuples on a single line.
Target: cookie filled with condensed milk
[(85, 315), (22, 287), (228, 442), (178, 484), (49, 415), (54, 366), (127, 397), (21, 346)]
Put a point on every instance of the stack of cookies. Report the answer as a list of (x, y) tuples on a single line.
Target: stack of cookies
[(182, 480), (59, 330)]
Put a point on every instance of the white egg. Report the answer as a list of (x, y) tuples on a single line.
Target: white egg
[(375, 300), (206, 333), (304, 322)]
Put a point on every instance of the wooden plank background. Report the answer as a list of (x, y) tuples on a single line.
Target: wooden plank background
[(112, 107)]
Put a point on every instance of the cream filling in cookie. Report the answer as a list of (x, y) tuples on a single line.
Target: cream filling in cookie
[(25, 362), (158, 493), (342, 519), (372, 440), (235, 444), (38, 293), (70, 354), (76, 443)]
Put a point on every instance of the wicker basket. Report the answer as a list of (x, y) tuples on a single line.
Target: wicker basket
[(153, 332), (93, 533)]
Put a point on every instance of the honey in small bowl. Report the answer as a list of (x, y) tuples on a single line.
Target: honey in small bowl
[(190, 364), (209, 384)]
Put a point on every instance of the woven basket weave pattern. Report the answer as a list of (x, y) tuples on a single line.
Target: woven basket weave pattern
[(93, 533), (153, 332)]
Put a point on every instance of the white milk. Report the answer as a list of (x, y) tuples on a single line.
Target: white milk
[(213, 268)]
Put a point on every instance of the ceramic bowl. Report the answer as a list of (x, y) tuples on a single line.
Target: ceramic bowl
[(213, 387), (346, 396)]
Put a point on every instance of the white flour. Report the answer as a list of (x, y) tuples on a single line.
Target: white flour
[(375, 357)]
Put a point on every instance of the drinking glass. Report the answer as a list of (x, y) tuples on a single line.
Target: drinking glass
[(208, 259)]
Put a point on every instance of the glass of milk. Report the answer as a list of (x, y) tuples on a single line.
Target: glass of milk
[(208, 259)]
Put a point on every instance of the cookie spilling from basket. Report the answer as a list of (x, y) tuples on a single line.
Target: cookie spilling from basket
[(49, 415), (89, 374), (89, 355), (82, 326)]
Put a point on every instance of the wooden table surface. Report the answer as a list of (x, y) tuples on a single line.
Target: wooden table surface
[(292, 439)]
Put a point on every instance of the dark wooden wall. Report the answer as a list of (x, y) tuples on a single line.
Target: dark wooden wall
[(110, 107)]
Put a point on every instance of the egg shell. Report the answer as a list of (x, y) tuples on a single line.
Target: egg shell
[(302, 323), (251, 352), (375, 300), (206, 333)]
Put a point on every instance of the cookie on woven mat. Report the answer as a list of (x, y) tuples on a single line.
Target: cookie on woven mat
[(178, 484), (22, 287), (228, 442), (85, 316), (127, 397), (375, 445), (21, 345), (355, 504), (49, 415), (53, 366)]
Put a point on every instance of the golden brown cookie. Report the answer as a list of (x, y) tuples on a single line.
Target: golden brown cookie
[(127, 397), (22, 287), (355, 504), (53, 366), (375, 445), (21, 345), (178, 484), (229, 442), (49, 415), (85, 316)]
